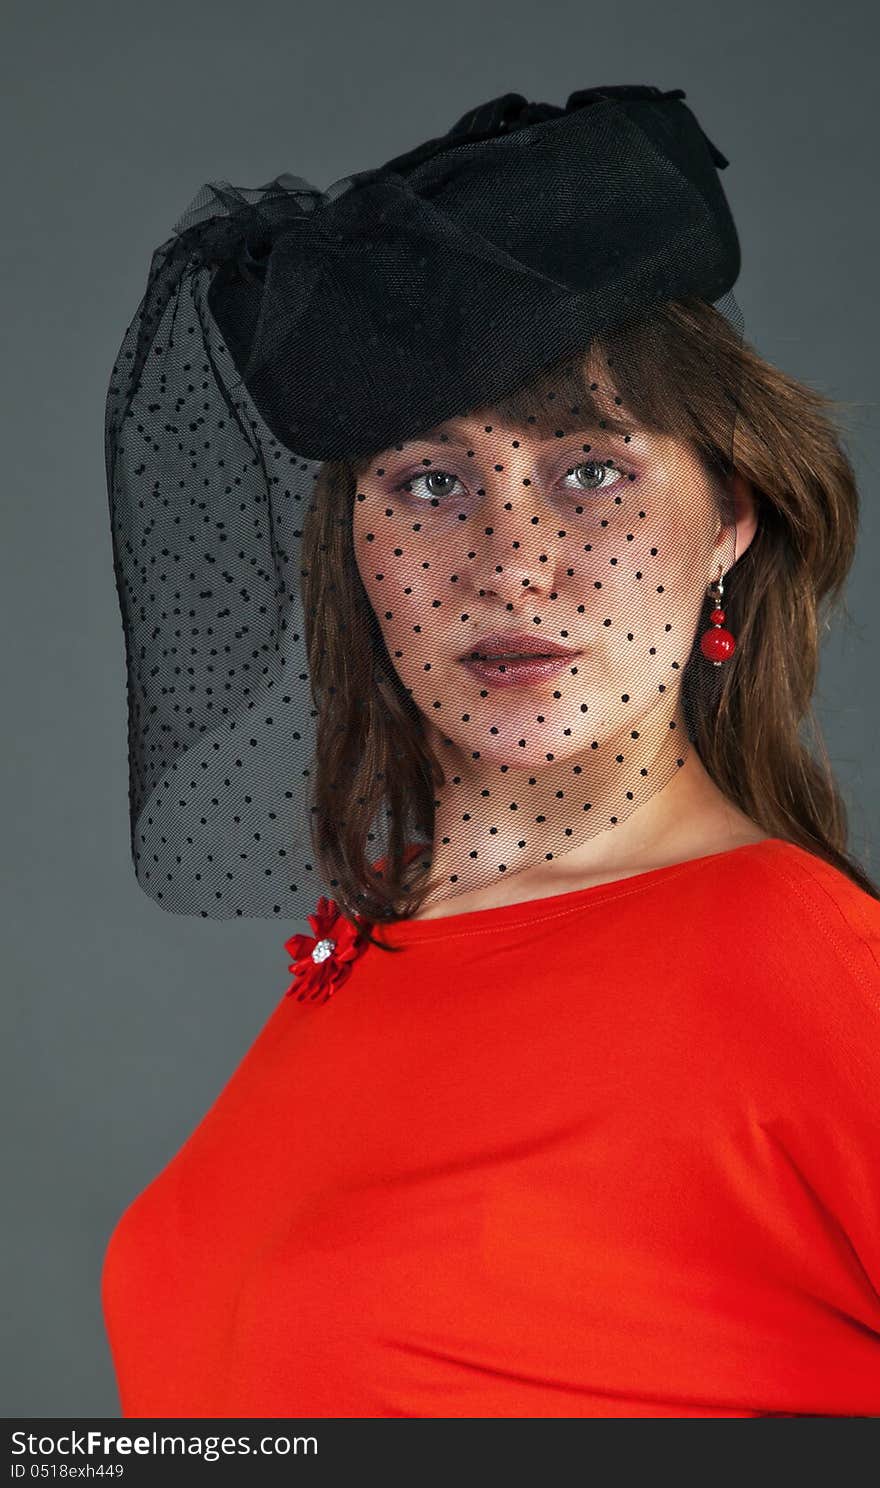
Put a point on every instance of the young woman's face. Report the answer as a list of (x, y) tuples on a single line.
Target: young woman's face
[(600, 543)]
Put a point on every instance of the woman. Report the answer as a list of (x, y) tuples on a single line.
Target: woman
[(526, 1139)]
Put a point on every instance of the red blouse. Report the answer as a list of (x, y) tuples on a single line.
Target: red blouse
[(615, 1152)]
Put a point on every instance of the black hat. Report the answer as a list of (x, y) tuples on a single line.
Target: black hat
[(295, 608), (458, 268)]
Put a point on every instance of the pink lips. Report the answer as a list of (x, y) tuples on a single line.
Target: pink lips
[(500, 641), (518, 673), (495, 672)]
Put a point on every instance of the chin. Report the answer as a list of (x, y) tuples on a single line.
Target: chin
[(503, 749)]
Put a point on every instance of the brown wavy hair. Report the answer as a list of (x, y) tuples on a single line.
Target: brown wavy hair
[(688, 372)]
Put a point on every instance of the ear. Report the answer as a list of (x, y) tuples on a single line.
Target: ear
[(745, 512)]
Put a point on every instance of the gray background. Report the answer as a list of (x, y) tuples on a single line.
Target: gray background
[(123, 1022)]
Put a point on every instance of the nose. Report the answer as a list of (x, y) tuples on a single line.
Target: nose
[(516, 540)]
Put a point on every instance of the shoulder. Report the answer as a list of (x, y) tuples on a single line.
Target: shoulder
[(807, 957), (810, 912)]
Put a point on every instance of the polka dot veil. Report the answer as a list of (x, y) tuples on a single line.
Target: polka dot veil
[(423, 508)]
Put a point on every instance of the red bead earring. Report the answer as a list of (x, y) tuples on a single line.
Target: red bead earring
[(717, 644)]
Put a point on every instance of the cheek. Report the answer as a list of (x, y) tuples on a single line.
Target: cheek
[(640, 633), (399, 588)]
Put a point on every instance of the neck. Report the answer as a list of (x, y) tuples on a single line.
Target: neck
[(573, 813)]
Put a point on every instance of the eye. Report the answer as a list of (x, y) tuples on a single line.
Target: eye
[(599, 473), (440, 483)]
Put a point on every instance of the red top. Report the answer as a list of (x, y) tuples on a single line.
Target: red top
[(615, 1152)]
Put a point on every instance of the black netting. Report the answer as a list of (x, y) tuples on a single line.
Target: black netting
[(489, 387)]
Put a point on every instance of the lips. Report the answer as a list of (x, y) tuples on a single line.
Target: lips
[(507, 645)]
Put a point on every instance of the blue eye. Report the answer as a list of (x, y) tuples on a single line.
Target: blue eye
[(429, 475), (440, 484), (600, 470)]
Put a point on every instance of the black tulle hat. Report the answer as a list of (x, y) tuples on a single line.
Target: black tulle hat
[(501, 245), (283, 326)]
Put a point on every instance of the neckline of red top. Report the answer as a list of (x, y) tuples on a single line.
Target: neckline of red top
[(530, 911)]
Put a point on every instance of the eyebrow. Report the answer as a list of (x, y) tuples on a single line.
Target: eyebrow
[(454, 431)]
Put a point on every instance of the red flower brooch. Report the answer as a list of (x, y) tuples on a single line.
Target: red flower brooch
[(321, 962)]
